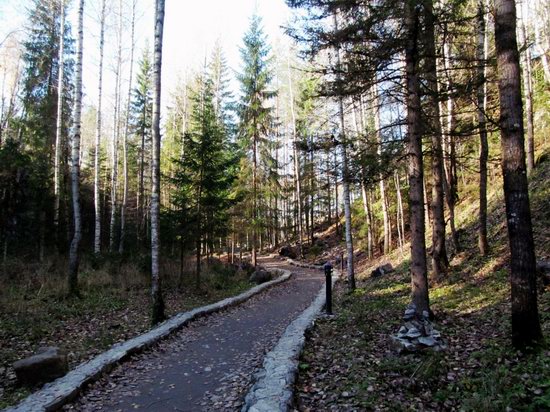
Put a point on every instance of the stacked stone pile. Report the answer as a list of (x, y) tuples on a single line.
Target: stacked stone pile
[(417, 333)]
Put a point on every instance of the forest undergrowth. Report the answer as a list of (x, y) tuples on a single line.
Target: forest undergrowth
[(113, 307), (349, 362)]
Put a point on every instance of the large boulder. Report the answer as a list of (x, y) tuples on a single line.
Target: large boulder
[(288, 251), (382, 270), (48, 364), (261, 276)]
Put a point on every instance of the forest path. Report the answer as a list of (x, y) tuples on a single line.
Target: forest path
[(209, 364)]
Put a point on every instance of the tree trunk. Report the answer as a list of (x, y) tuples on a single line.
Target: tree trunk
[(311, 193), (329, 192), (254, 200), (97, 158), (382, 184), (156, 288), (449, 151), (528, 94), (116, 135), (59, 123), (141, 189), (336, 212), (526, 329), (74, 257), (481, 55), (439, 253), (366, 208), (345, 175), (419, 277), (400, 218), (125, 137), (297, 178)]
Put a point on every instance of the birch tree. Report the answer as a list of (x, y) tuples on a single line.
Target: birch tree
[(156, 289), (116, 134), (59, 120), (125, 136), (74, 256), (97, 157)]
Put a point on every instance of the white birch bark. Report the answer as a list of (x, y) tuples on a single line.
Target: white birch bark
[(75, 160), (156, 290), (97, 159), (125, 137), (116, 135), (59, 120)]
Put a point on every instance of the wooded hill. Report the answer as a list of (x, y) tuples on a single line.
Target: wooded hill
[(386, 118)]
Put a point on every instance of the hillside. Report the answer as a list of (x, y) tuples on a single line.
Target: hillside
[(349, 362)]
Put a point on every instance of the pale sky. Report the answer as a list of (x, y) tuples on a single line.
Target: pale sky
[(191, 29)]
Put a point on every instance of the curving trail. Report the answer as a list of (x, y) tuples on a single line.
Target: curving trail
[(208, 365)]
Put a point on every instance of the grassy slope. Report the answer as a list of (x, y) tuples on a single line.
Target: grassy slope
[(349, 362)]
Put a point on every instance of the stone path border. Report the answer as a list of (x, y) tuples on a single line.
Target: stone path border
[(57, 393), (274, 387)]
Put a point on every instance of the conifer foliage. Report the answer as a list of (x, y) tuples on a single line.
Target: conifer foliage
[(255, 115)]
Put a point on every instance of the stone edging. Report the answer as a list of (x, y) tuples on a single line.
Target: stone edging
[(61, 391), (274, 387)]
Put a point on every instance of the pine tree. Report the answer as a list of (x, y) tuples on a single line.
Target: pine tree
[(255, 117), (526, 329)]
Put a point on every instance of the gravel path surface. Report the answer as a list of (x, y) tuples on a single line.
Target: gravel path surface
[(208, 365)]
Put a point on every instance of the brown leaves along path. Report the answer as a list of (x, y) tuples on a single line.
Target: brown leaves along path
[(208, 365)]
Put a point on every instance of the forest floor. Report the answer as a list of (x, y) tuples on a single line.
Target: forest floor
[(349, 362), (114, 307)]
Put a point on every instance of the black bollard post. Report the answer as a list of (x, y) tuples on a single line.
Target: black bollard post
[(328, 278)]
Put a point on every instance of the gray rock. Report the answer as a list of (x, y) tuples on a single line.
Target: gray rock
[(403, 330), (261, 276), (382, 270), (288, 251), (46, 365), (413, 333), (425, 314), (409, 314), (409, 325), (403, 345), (427, 341)]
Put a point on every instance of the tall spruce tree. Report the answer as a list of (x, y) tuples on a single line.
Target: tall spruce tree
[(205, 173), (141, 113), (255, 116)]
